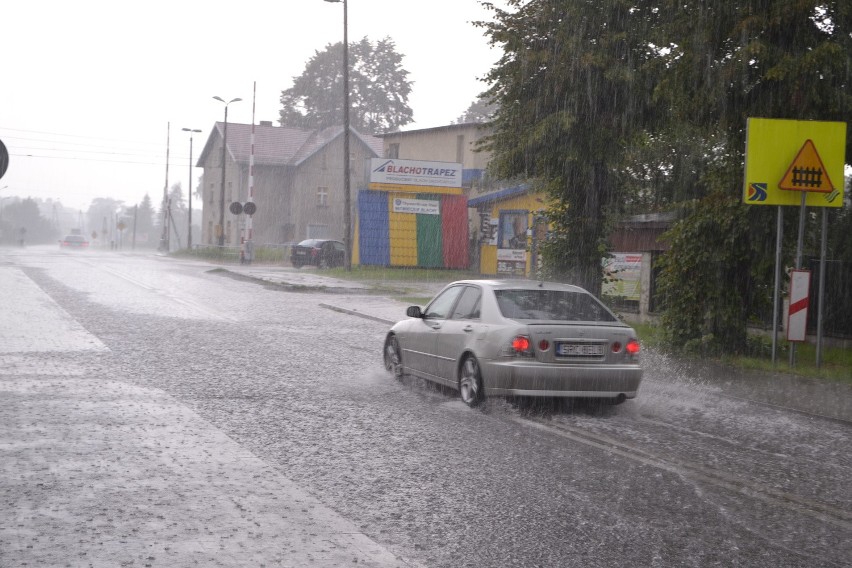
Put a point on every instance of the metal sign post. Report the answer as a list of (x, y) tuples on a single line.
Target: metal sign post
[(784, 157)]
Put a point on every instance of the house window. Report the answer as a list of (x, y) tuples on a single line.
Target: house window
[(317, 231), (393, 151), (322, 197), (210, 232), (460, 148)]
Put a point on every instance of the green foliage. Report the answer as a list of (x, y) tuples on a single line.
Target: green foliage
[(22, 220), (480, 111), (145, 221), (617, 107), (571, 100), (717, 273), (378, 89), (726, 62)]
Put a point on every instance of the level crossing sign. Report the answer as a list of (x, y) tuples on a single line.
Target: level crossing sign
[(785, 158)]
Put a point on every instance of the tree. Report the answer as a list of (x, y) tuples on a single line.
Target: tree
[(571, 102), (144, 215), (727, 61), (480, 110), (178, 215), (22, 221), (378, 89)]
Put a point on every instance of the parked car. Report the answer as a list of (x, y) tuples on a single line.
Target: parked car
[(318, 252), (517, 338), (73, 241)]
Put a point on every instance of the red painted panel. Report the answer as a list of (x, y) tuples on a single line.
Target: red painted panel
[(455, 230)]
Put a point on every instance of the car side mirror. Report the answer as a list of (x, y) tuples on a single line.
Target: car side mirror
[(414, 312)]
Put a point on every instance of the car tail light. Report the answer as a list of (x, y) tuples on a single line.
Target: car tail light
[(314, 252), (543, 345), (632, 347), (521, 346), (616, 347)]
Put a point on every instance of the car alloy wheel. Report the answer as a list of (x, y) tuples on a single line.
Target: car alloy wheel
[(393, 357), (470, 382)]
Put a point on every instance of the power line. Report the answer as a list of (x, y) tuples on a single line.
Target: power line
[(158, 163)]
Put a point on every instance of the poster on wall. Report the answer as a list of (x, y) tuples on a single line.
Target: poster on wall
[(512, 262), (513, 230), (512, 243), (623, 275)]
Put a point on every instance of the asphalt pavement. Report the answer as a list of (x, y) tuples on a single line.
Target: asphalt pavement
[(108, 474), (820, 398)]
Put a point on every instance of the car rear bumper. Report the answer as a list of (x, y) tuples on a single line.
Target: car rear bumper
[(529, 378)]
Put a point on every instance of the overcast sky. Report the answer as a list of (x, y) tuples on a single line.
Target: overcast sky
[(89, 88)]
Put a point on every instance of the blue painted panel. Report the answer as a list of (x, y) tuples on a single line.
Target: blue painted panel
[(373, 232)]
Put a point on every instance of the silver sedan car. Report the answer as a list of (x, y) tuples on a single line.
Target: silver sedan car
[(517, 338)]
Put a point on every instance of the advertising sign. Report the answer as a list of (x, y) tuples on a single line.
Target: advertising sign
[(623, 275), (415, 172), (787, 157), (511, 262), (418, 206)]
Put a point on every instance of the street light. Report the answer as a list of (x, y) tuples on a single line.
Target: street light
[(189, 226), (347, 198), (222, 192)]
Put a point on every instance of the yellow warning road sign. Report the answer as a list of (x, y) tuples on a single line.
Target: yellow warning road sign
[(786, 157), (807, 173)]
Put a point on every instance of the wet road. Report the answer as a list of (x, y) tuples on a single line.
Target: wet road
[(685, 475)]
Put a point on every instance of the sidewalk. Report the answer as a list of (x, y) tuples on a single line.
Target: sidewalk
[(110, 474), (375, 301)]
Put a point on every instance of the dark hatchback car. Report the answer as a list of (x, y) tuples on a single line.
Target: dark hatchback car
[(318, 252), (73, 241)]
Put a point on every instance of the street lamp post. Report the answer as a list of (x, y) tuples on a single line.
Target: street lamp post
[(189, 226), (224, 151), (347, 197)]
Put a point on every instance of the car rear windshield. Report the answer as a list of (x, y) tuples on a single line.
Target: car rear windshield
[(558, 305), (310, 243), (75, 238)]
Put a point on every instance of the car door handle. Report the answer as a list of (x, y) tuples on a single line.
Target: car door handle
[(436, 326), (467, 328)]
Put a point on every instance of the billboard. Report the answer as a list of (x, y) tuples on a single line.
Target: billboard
[(415, 172), (623, 275)]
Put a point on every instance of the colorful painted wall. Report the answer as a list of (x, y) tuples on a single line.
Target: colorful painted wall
[(391, 234)]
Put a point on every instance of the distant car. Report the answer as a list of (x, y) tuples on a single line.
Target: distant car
[(517, 338), (318, 252), (73, 241)]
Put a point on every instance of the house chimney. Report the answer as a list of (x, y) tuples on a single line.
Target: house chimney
[(266, 123)]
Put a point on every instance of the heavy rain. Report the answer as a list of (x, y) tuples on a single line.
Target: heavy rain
[(248, 368)]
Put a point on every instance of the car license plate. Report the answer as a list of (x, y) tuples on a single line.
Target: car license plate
[(579, 349), (300, 253)]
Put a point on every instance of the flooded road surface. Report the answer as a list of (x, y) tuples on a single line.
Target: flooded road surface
[(690, 473)]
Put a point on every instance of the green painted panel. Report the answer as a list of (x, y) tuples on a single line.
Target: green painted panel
[(430, 246)]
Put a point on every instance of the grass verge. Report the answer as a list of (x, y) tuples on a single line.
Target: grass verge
[(836, 362)]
